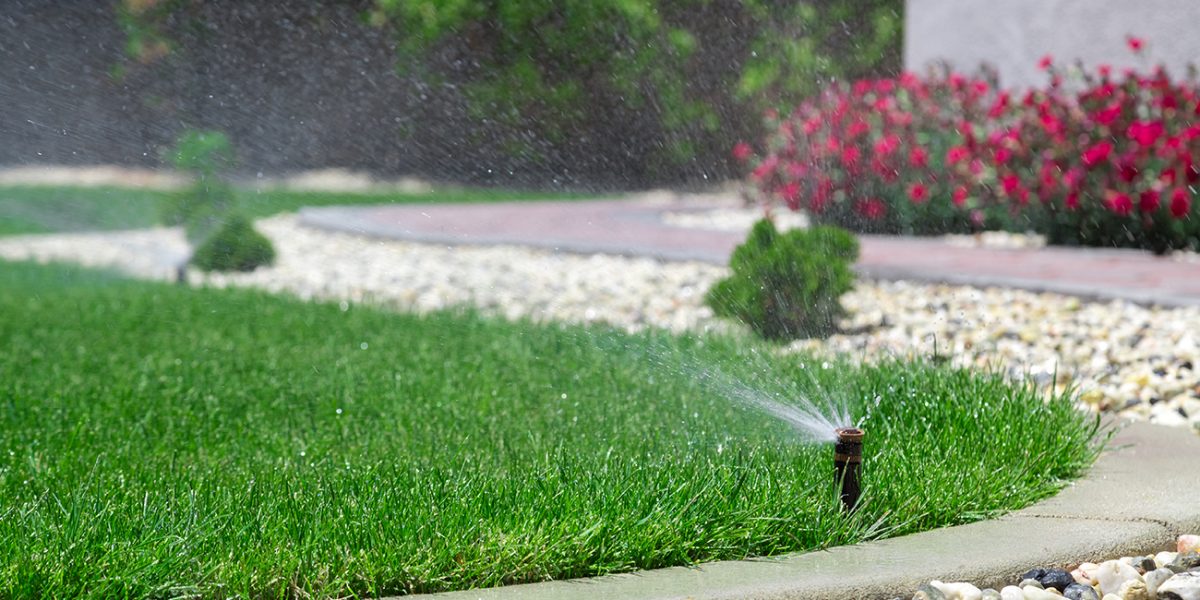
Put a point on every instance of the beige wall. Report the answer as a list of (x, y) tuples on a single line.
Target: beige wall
[(1013, 34)]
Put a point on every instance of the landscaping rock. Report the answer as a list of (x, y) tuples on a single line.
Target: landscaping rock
[(1030, 592), (1112, 574), (990, 594), (1011, 592), (1188, 543), (1154, 579), (957, 591), (1183, 586), (1056, 578), (1031, 582), (1079, 591), (1134, 589), (928, 592), (1165, 558), (1184, 562)]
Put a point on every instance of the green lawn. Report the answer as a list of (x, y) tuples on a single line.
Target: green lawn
[(44, 209), (157, 440)]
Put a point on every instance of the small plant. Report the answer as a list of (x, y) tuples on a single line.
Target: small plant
[(236, 246), (788, 285), (201, 207)]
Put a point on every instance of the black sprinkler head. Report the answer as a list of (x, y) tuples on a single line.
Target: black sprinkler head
[(847, 461)]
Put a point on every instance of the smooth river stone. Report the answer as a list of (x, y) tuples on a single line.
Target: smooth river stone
[(1030, 592), (1011, 592), (1134, 589), (1183, 586), (1155, 578), (1080, 591), (958, 590), (1112, 574), (1187, 543)]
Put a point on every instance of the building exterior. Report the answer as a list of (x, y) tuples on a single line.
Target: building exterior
[(1013, 35)]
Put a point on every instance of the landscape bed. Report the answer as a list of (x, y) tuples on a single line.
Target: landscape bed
[(158, 440)]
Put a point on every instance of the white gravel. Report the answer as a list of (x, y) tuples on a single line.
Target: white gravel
[(1123, 357)]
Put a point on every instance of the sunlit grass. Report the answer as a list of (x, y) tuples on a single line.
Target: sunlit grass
[(45, 209), (157, 440)]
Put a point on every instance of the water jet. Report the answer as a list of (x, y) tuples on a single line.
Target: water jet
[(847, 461)]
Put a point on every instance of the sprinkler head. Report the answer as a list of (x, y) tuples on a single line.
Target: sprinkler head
[(847, 460)]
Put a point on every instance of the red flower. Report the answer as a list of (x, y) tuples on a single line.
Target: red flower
[(797, 170), (765, 168), (918, 193), (1072, 200), (821, 195), (1181, 203), (1106, 116), (1046, 62), (1104, 70), (850, 156), (998, 107), (1003, 155), (790, 193), (1120, 203), (886, 145), (1096, 154), (918, 157), (1135, 43), (1145, 133), (1010, 184), (742, 151), (959, 198), (957, 154), (1148, 201), (871, 208)]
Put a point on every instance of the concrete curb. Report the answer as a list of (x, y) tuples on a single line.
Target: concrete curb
[(1138, 497)]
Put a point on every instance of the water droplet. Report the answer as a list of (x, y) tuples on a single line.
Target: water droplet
[(564, 396), (338, 411), (345, 306), (301, 453), (362, 346)]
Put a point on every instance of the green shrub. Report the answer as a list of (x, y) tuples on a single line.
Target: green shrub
[(788, 285), (236, 246)]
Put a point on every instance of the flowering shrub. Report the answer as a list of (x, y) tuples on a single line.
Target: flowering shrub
[(1098, 160)]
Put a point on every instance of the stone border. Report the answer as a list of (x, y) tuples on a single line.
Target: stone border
[(1137, 498)]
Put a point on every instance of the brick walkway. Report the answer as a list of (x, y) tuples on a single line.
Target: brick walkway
[(634, 227)]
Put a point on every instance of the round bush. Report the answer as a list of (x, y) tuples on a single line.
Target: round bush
[(788, 285), (236, 246)]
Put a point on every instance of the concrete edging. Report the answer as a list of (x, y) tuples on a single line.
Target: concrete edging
[(1136, 499)]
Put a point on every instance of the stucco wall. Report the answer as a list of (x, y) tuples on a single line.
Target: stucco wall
[(1013, 34)]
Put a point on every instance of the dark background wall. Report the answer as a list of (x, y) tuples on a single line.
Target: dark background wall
[(296, 85)]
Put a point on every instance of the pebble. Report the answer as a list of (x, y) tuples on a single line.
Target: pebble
[(1030, 592), (1056, 578), (1154, 579), (1165, 558), (990, 594), (1133, 360), (1079, 591), (1188, 543), (958, 591), (1011, 592), (1183, 586), (1186, 561), (1134, 589), (1110, 575), (928, 592)]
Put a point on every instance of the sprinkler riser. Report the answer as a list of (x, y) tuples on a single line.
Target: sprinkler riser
[(847, 462)]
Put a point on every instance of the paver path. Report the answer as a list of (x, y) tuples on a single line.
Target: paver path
[(635, 227)]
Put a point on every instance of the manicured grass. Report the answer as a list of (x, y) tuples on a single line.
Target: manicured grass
[(44, 209), (162, 441)]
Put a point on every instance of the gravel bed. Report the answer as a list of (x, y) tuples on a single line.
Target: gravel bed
[(1135, 360), (1168, 575)]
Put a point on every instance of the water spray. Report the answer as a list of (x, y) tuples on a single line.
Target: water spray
[(847, 461)]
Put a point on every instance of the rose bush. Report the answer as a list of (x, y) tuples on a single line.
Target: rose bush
[(1094, 158)]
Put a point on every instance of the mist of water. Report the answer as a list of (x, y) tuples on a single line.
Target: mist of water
[(813, 416)]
